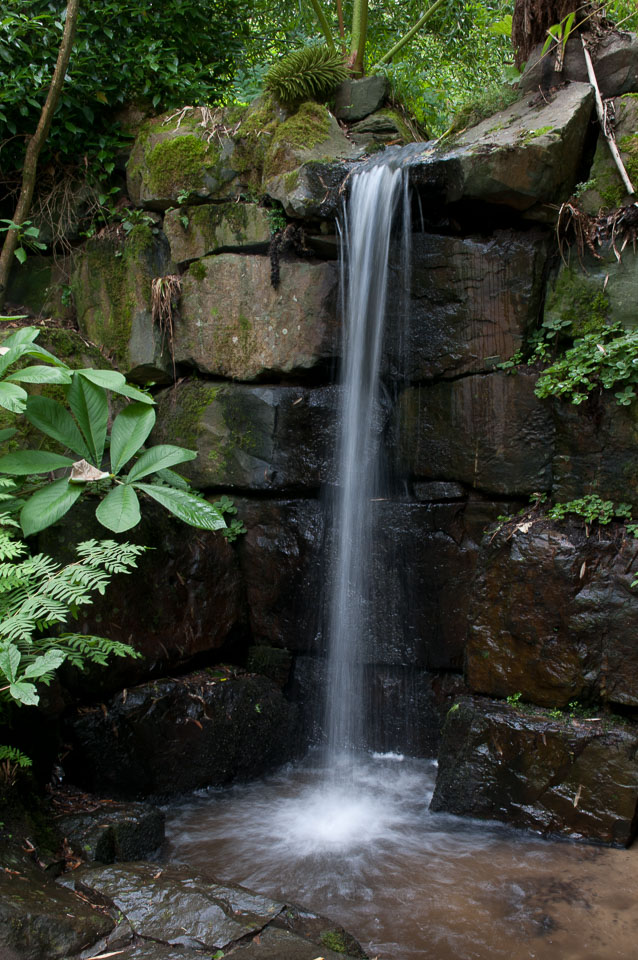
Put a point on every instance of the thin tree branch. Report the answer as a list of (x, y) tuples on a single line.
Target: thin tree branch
[(35, 145), (600, 110), (323, 22), (408, 36)]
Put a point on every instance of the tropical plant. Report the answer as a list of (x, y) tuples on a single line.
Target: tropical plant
[(80, 425), (312, 72)]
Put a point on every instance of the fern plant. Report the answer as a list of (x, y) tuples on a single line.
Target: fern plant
[(37, 596), (306, 74)]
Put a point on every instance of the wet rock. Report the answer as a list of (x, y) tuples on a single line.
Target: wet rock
[(596, 450), (281, 559), (356, 99), (234, 323), (525, 154), (561, 777), (249, 437), (179, 916), (381, 128), (472, 302), (552, 615), (271, 662), (489, 432), (438, 490), (114, 831), (313, 190), (173, 736), (40, 285), (400, 711), (194, 231), (615, 60), (111, 286), (42, 921), (184, 599)]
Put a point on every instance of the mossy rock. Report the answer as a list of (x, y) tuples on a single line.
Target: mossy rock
[(598, 291), (40, 285), (606, 190), (194, 231), (112, 290), (382, 127)]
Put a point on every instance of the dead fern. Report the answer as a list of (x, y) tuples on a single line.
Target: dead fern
[(165, 294)]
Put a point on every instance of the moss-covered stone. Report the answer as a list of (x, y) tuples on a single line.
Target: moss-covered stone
[(308, 127), (111, 285), (194, 231)]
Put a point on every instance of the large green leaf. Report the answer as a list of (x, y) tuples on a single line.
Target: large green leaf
[(134, 394), (24, 692), (130, 429), (41, 374), (12, 354), (91, 410), (45, 663), (24, 462), (10, 658), (120, 510), (20, 336), (161, 457), (48, 505), (54, 420), (13, 397), (7, 433), (108, 379), (186, 506)]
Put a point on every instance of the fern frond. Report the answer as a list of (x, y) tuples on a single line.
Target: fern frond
[(13, 755), (309, 73)]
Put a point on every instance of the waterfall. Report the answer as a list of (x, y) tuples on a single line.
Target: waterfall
[(374, 198)]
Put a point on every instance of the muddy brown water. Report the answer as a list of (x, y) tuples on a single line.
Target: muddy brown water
[(362, 848)]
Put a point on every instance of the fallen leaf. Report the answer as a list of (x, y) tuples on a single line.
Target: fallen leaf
[(84, 472)]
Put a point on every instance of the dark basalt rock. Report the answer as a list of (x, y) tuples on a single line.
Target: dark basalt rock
[(179, 915), (615, 60), (471, 303), (489, 432), (553, 615), (571, 778), (114, 831), (183, 599), (173, 736)]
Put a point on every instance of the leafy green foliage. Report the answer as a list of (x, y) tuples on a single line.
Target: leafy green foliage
[(592, 509), (37, 594), (161, 54), (309, 73), (81, 426)]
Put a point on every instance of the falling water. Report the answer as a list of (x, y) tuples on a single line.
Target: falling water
[(374, 198)]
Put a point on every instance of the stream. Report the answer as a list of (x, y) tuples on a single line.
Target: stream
[(362, 848)]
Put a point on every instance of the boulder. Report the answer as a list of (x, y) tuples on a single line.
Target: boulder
[(384, 127), (471, 304), (42, 921), (562, 777), (314, 190), (356, 99), (114, 831), (194, 231), (172, 736), (615, 60), (234, 323), (487, 431), (183, 600), (605, 188), (552, 615), (40, 285), (249, 437), (528, 153), (111, 286)]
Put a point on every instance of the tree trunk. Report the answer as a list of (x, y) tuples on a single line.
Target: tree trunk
[(532, 19), (35, 145)]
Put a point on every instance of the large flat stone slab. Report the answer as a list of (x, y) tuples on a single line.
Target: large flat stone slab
[(566, 777), (234, 323), (195, 231), (553, 616), (471, 303), (487, 431), (526, 154), (251, 437)]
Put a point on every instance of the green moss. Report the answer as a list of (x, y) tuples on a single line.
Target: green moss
[(305, 129), (396, 118), (577, 304), (333, 941), (177, 162), (291, 181), (183, 419), (197, 270), (527, 136)]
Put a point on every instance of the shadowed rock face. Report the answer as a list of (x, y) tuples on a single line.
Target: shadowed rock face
[(552, 616), (172, 736), (490, 432), (472, 301), (564, 777)]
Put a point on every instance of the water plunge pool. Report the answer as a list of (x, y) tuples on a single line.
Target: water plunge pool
[(360, 846)]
